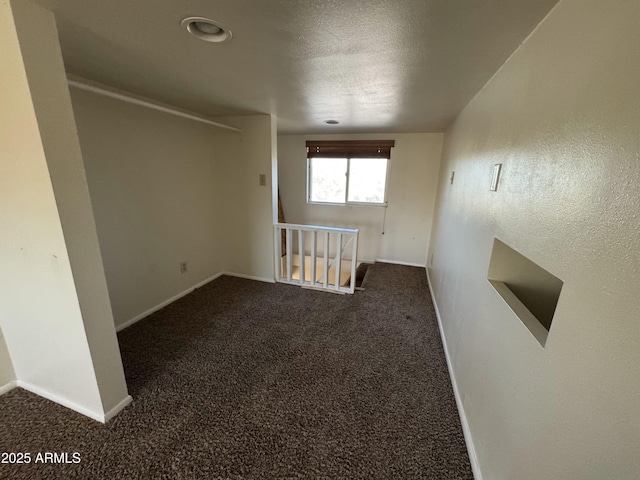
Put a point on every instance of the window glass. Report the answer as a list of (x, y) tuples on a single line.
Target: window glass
[(328, 180), (367, 178)]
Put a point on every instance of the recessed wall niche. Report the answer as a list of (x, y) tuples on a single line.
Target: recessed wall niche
[(529, 290)]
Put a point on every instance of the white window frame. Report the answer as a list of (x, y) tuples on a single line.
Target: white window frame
[(346, 193)]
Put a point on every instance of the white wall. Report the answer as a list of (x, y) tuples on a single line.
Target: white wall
[(411, 194), (7, 375), (157, 196), (54, 304), (247, 206), (563, 116), (165, 190)]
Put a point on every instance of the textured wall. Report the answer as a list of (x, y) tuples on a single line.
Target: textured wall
[(563, 116), (54, 304), (248, 206), (6, 366), (156, 197), (167, 190), (411, 192)]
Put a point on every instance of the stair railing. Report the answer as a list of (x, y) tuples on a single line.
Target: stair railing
[(327, 266)]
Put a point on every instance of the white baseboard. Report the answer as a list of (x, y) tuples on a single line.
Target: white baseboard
[(473, 458), (117, 409), (396, 262), (250, 277), (146, 313), (100, 417), (7, 387)]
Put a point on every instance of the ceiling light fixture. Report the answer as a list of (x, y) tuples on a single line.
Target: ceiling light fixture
[(331, 122), (206, 29)]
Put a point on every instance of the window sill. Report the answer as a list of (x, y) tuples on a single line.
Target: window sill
[(349, 204)]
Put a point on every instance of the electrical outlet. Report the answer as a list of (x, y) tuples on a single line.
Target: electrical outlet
[(263, 180), (183, 267)]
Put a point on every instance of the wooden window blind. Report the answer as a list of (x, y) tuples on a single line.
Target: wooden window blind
[(350, 148)]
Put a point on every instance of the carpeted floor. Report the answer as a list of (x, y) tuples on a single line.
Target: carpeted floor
[(243, 379)]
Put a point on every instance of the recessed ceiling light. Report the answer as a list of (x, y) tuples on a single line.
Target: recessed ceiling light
[(331, 122), (206, 29)]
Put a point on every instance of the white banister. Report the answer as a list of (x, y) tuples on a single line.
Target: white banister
[(338, 260), (354, 254), (314, 240), (301, 252), (325, 283), (289, 254), (336, 272)]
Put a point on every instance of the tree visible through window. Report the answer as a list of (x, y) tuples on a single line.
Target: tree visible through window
[(328, 180), (348, 172)]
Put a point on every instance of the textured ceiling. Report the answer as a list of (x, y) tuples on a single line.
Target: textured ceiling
[(392, 66)]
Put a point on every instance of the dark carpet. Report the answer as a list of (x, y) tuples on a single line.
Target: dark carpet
[(242, 379)]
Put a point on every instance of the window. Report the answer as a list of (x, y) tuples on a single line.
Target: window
[(348, 172)]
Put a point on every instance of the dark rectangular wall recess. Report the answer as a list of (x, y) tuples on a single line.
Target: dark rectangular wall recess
[(529, 290)]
